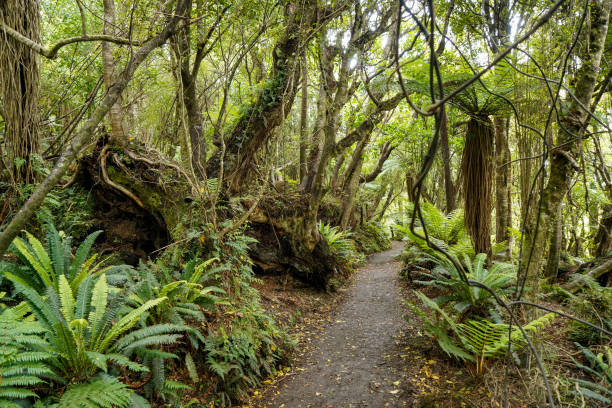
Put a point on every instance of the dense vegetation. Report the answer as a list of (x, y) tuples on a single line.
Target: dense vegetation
[(159, 158)]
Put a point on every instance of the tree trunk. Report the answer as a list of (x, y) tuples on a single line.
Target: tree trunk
[(195, 128), (274, 101), (603, 239), (351, 183), (449, 188), (477, 167), (554, 251), (304, 119), (386, 205), (503, 181), (562, 162), (19, 86), (117, 132)]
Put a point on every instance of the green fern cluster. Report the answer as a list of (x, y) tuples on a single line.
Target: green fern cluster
[(468, 299), (22, 358), (476, 339), (445, 230), (42, 267), (340, 243), (91, 331), (186, 298)]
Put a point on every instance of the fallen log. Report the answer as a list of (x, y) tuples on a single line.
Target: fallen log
[(595, 273)]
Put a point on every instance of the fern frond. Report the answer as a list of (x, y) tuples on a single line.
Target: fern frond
[(105, 393)]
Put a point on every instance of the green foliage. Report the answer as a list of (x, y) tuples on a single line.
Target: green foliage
[(467, 298), (249, 345), (43, 267), (22, 361), (446, 231), (474, 340), (370, 238), (593, 304), (69, 210), (97, 393), (600, 368), (341, 244), (185, 300), (88, 333), (185, 295)]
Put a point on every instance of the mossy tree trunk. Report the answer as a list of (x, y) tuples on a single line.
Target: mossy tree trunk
[(503, 181), (562, 161), (274, 101), (109, 62)]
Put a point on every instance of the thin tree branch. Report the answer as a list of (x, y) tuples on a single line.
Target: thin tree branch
[(51, 53)]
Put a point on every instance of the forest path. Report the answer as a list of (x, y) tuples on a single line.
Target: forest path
[(355, 360)]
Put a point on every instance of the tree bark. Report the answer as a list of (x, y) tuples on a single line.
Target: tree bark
[(503, 181), (554, 251), (603, 239), (449, 188), (195, 128), (19, 87), (274, 101), (351, 183), (385, 152), (117, 132), (304, 119)]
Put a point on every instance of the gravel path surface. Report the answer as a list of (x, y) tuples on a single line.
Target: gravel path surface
[(355, 360)]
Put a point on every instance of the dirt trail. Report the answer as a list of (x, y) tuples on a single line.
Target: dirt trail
[(355, 360)]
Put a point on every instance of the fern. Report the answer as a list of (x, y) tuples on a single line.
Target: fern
[(339, 241), (468, 298), (98, 335), (21, 361), (98, 393), (600, 367), (474, 340), (43, 267)]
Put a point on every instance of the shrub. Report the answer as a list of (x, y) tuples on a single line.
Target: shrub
[(371, 238)]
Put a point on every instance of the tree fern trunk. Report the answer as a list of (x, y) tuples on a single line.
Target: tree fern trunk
[(19, 86), (477, 167)]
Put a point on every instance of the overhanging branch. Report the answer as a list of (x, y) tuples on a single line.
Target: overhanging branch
[(51, 53)]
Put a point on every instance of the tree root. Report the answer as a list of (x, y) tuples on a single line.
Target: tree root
[(112, 184)]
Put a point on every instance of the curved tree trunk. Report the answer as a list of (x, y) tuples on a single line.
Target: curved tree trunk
[(274, 101)]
